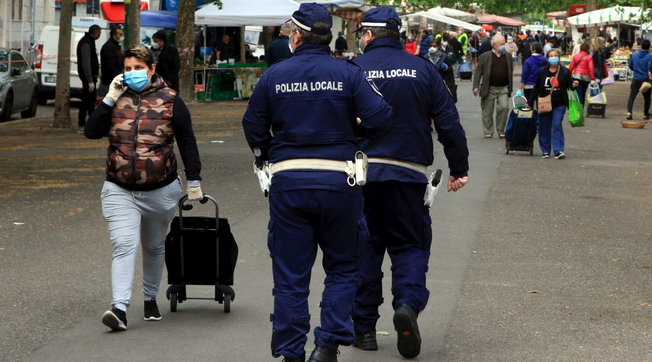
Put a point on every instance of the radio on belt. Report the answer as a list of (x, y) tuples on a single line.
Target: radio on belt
[(433, 186), (360, 168)]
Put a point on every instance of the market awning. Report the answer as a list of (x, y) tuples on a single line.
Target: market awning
[(455, 14), (246, 12), (612, 15), (497, 20), (444, 19)]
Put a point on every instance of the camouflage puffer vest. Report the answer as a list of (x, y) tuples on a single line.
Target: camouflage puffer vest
[(141, 150)]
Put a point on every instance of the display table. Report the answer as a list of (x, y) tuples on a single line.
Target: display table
[(227, 81)]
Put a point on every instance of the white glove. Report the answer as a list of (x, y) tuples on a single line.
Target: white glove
[(116, 88), (194, 191), (91, 87)]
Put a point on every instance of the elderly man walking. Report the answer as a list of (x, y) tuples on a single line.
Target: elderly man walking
[(492, 80)]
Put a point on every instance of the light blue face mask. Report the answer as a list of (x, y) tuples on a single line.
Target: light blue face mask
[(137, 79), (502, 49), (553, 60)]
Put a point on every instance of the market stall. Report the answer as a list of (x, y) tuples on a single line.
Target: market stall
[(232, 80), (437, 17), (499, 21)]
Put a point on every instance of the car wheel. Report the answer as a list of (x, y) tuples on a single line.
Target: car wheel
[(31, 112), (9, 104)]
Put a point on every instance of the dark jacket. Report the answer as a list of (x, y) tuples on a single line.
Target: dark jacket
[(88, 66), (340, 44), (565, 84), (142, 128), (278, 50), (485, 46), (167, 66), (482, 73), (531, 68), (111, 59)]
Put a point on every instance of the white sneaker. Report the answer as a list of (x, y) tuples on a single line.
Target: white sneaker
[(560, 156)]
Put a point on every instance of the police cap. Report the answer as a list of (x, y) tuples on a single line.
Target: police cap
[(381, 17), (311, 13)]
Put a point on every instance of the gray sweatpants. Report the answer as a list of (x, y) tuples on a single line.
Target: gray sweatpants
[(498, 99), (138, 217)]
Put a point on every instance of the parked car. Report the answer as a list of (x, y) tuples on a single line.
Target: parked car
[(18, 86)]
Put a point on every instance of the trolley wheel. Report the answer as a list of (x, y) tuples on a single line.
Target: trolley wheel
[(227, 303), (173, 302)]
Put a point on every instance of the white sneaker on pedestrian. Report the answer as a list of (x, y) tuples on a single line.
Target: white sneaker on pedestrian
[(560, 156)]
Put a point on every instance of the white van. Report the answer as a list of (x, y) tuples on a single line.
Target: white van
[(48, 46)]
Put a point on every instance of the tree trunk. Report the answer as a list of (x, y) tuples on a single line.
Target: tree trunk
[(350, 36), (134, 22), (186, 45), (590, 6), (62, 94)]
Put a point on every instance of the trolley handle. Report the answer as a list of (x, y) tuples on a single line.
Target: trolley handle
[(183, 206)]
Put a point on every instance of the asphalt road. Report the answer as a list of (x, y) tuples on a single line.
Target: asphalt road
[(533, 260)]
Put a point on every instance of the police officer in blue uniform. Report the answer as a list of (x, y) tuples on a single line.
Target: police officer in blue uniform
[(398, 221), (302, 119)]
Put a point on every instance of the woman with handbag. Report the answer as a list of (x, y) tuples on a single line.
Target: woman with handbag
[(550, 94), (581, 68)]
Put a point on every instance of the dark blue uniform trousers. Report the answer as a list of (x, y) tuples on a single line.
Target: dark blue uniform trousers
[(400, 224), (300, 220)]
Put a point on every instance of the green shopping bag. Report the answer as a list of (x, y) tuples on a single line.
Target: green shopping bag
[(575, 110)]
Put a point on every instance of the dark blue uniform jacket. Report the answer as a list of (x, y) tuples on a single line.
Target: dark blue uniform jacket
[(309, 103), (418, 95)]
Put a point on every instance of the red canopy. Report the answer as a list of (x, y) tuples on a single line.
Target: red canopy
[(114, 12), (497, 20)]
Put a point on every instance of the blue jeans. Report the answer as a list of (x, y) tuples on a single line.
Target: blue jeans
[(551, 123)]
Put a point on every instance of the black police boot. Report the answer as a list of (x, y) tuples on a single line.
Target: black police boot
[(299, 359), (405, 324), (366, 341), (323, 354)]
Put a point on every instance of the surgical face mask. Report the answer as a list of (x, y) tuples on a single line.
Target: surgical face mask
[(444, 44), (155, 45), (362, 44), (501, 48), (121, 39), (553, 60), (410, 38), (137, 79)]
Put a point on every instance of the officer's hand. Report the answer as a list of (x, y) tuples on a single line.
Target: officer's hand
[(91, 87), (476, 91), (116, 88), (194, 191), (456, 183)]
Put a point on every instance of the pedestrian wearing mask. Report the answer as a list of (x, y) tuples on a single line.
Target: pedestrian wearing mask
[(492, 81), (411, 44), (438, 56), (554, 80), (142, 117)]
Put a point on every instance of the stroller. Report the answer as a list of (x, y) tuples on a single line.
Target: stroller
[(466, 70), (200, 251), (521, 127)]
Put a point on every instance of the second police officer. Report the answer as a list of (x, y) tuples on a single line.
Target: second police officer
[(398, 221), (302, 119)]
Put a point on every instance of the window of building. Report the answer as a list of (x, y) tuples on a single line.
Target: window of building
[(17, 10)]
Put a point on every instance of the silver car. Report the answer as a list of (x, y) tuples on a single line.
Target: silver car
[(18, 86)]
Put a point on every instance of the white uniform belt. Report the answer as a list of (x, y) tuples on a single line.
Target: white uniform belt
[(405, 164), (312, 164)]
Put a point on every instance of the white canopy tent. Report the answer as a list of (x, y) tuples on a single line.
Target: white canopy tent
[(246, 12), (612, 15), (444, 19), (455, 14)]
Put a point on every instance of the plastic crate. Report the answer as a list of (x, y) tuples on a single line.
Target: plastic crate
[(201, 96)]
